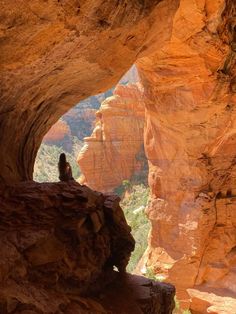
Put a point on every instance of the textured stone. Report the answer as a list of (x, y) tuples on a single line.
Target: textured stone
[(135, 294), (109, 155), (59, 135), (190, 144), (211, 301), (53, 261)]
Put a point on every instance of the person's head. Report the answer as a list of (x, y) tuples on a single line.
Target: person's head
[(62, 158)]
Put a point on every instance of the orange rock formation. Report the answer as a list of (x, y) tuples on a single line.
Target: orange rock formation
[(56, 54), (57, 133), (109, 155), (190, 143)]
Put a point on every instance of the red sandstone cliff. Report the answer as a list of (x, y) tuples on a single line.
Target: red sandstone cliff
[(190, 142), (58, 132), (109, 155)]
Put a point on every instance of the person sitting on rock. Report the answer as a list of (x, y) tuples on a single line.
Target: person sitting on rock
[(64, 168)]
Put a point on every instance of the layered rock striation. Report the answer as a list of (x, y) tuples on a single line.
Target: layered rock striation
[(59, 243), (190, 144), (109, 155)]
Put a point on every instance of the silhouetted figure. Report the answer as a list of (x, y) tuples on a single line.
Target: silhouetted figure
[(64, 168)]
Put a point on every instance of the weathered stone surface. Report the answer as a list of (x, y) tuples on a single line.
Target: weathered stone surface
[(53, 260), (109, 155), (42, 222), (135, 294), (81, 119), (58, 132), (208, 300), (190, 144)]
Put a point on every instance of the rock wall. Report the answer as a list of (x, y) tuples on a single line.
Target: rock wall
[(191, 147), (59, 243), (109, 155), (81, 120)]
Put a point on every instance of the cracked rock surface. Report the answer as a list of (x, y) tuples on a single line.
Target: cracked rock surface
[(58, 245)]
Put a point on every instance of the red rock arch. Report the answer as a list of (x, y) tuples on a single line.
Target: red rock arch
[(55, 54)]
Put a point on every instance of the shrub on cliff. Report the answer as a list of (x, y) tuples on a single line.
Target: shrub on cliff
[(133, 206)]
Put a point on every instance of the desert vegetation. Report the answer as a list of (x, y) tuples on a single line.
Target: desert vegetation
[(134, 199)]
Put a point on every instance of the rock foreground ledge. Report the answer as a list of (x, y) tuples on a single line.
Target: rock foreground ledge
[(58, 245)]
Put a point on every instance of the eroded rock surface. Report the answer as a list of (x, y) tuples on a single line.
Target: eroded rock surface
[(58, 244), (109, 155), (135, 294), (210, 300), (191, 147)]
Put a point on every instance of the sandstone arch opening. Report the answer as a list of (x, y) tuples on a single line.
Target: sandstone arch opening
[(78, 124), (55, 55), (103, 138)]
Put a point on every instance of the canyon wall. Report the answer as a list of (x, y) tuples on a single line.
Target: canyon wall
[(109, 155), (59, 134), (81, 118), (190, 140)]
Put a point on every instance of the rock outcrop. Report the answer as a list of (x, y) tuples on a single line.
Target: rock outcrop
[(59, 243), (109, 155), (191, 147), (59, 134), (81, 120)]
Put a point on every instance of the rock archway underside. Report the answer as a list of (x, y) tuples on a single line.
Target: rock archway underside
[(55, 53)]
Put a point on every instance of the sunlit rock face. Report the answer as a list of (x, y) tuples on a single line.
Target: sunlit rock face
[(109, 155), (59, 134), (190, 142), (59, 243)]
